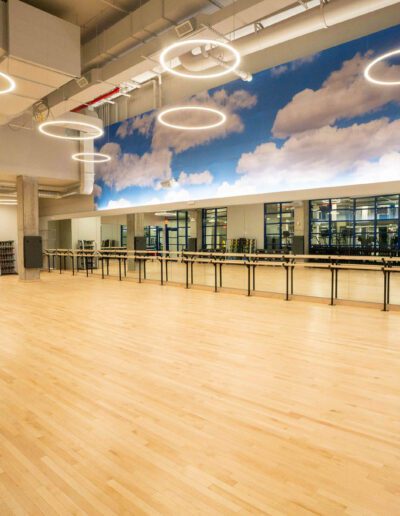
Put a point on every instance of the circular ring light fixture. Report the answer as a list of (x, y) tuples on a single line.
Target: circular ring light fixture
[(92, 131), (367, 72), (178, 44), (91, 157), (221, 118), (10, 83)]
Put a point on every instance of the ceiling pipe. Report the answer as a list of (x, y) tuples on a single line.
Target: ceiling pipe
[(105, 96), (130, 64), (311, 20)]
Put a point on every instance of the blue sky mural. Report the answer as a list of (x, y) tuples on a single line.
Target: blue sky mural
[(310, 123)]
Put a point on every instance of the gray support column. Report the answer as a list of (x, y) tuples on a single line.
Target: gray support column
[(28, 221), (134, 227)]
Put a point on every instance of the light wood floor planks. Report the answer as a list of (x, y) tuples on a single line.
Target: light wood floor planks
[(119, 398)]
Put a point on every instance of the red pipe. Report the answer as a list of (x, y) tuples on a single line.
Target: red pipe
[(97, 99)]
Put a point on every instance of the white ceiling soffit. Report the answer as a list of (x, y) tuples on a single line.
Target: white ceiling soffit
[(93, 16), (32, 59), (143, 58)]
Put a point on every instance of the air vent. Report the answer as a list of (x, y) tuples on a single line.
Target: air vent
[(168, 183), (185, 28), (82, 82)]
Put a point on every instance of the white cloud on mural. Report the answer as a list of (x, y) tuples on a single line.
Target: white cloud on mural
[(141, 123), (195, 178), (361, 152), (125, 169), (277, 71), (120, 203), (179, 141), (344, 95), (97, 190)]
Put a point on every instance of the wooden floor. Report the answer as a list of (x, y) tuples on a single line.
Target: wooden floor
[(119, 398)]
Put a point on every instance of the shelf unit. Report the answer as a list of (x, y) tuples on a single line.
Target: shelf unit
[(242, 245), (87, 247), (7, 257)]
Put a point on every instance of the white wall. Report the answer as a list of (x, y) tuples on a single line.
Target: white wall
[(247, 221), (111, 228), (30, 153), (8, 226), (88, 228)]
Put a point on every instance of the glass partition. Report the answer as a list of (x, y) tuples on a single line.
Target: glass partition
[(365, 225), (214, 228), (278, 226)]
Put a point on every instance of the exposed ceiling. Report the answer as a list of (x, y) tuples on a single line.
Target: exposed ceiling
[(114, 42), (93, 16)]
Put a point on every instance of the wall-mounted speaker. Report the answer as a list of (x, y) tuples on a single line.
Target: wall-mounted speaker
[(33, 252), (140, 243)]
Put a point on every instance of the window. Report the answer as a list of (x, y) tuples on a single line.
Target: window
[(214, 228), (369, 224), (178, 231), (153, 236), (278, 226)]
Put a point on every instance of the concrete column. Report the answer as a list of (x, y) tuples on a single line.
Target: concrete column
[(134, 227), (28, 221)]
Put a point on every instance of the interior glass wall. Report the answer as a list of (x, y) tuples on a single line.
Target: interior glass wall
[(278, 226), (153, 235), (177, 231), (214, 228), (365, 225), (173, 232)]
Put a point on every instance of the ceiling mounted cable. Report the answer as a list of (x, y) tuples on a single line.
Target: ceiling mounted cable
[(219, 118), (321, 5), (10, 83), (213, 45), (367, 72)]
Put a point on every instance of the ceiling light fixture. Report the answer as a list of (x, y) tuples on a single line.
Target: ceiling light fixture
[(91, 157), (221, 118), (367, 72), (85, 127), (201, 42), (10, 83)]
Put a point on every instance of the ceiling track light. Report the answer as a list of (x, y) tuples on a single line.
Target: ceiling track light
[(91, 157), (10, 84), (162, 118), (45, 126), (367, 71), (201, 43)]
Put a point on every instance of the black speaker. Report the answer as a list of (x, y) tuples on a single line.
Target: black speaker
[(140, 243), (192, 245), (298, 245), (33, 252)]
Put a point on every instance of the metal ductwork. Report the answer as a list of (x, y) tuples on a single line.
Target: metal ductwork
[(311, 20), (34, 62), (138, 61)]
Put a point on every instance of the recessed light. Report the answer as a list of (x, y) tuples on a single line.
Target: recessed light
[(201, 42)]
